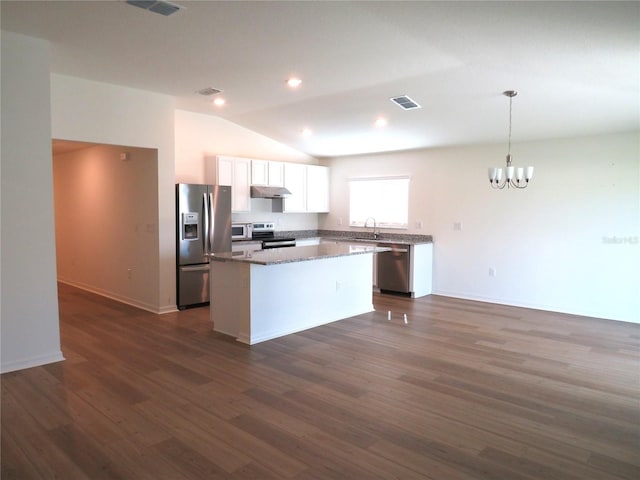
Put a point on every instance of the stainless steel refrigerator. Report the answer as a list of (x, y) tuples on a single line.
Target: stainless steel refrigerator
[(203, 228)]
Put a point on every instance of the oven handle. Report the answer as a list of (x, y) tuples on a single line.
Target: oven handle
[(284, 243)]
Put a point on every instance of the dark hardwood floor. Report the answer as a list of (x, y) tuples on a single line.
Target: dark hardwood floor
[(463, 390)]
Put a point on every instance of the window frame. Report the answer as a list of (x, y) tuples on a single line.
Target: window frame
[(383, 222)]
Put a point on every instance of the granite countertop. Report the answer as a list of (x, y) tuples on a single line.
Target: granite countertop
[(296, 254), (376, 241), (365, 237)]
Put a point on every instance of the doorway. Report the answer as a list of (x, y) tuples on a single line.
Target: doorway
[(106, 220)]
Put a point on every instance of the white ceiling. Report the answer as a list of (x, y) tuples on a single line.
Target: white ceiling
[(575, 64)]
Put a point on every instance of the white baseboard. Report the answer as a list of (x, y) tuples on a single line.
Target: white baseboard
[(32, 362), (120, 298), (546, 308)]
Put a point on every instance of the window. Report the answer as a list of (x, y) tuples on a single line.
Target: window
[(384, 198)]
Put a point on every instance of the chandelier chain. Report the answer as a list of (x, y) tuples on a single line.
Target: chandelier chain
[(510, 106)]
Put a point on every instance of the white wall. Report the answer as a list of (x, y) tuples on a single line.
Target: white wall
[(29, 326), (96, 112), (198, 136), (553, 245), (107, 205)]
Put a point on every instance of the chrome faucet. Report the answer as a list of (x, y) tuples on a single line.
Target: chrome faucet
[(376, 234)]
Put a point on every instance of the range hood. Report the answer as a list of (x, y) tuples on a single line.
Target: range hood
[(259, 191)]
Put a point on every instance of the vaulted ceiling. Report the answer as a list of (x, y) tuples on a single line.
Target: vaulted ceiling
[(576, 65)]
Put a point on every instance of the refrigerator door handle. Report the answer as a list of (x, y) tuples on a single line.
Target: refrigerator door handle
[(211, 223), (205, 226)]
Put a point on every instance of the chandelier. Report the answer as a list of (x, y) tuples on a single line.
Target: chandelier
[(511, 176)]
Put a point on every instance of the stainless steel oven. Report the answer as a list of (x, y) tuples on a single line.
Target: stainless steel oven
[(265, 231)]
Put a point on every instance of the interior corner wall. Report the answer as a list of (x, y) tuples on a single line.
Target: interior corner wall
[(96, 112), (109, 205), (568, 243), (30, 324), (198, 136)]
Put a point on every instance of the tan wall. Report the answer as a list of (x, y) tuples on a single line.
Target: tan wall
[(106, 214)]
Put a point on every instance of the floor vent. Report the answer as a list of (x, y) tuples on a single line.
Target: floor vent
[(163, 8), (404, 102)]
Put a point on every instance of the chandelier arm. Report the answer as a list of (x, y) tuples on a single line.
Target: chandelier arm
[(517, 185)]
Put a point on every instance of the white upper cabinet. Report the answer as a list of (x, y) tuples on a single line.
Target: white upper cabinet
[(308, 184), (235, 172), (276, 174), (295, 180), (259, 172), (317, 188), (223, 170), (309, 187), (264, 172), (241, 188)]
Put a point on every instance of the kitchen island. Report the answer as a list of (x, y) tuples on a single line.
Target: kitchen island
[(261, 295)]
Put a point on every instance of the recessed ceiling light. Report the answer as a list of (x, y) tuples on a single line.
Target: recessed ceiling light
[(306, 132), (294, 82), (381, 122), (219, 101)]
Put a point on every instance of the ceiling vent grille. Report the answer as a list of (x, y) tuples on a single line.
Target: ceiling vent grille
[(163, 8), (209, 91), (404, 102)]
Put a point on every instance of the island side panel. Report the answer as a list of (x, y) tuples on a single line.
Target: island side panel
[(230, 298), (291, 297)]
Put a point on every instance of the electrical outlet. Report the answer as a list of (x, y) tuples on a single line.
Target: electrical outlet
[(129, 273), (419, 224), (457, 226), (492, 272), (337, 286), (340, 221)]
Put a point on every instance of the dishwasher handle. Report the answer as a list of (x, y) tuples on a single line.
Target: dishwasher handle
[(196, 268)]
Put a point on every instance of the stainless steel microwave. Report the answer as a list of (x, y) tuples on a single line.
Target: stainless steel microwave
[(240, 231)]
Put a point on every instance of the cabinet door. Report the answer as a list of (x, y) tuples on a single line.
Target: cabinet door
[(275, 174), (295, 181), (241, 185), (259, 172), (224, 171), (317, 188)]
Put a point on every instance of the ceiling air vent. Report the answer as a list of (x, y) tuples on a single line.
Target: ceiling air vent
[(404, 102), (209, 91), (163, 8)]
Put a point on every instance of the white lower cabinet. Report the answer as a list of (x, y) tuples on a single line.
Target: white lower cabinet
[(421, 268), (246, 246)]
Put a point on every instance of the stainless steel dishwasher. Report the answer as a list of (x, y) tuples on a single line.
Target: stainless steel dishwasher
[(393, 268)]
